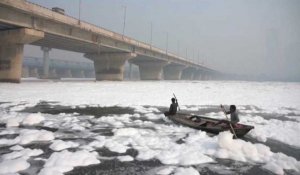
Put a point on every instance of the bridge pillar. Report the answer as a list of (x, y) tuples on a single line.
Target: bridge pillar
[(46, 60), (77, 73), (173, 71), (88, 74), (110, 66), (52, 73), (34, 72), (67, 73), (188, 73), (82, 74), (11, 52), (151, 69), (25, 71), (205, 75), (198, 75)]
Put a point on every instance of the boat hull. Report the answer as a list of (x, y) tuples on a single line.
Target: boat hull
[(210, 125)]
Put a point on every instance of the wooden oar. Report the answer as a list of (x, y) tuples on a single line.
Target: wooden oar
[(228, 121), (176, 101)]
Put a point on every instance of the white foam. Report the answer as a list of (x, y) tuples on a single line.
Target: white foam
[(283, 131), (240, 150), (152, 116), (59, 145), (33, 119), (8, 131), (13, 166), (14, 121), (24, 153), (99, 142), (276, 95), (60, 162), (159, 141), (27, 136), (115, 146), (125, 158), (280, 161), (166, 171), (151, 144), (16, 148), (185, 171)]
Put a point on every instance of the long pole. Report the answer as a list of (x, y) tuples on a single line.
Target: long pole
[(79, 11), (151, 30), (167, 43), (124, 22), (228, 121), (193, 55), (178, 47), (186, 54), (198, 59), (176, 101)]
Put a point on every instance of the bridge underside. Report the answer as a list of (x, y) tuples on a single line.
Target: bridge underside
[(11, 52), (150, 69), (107, 49)]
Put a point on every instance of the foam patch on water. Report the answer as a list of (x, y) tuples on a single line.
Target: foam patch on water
[(240, 150), (275, 95), (168, 143), (185, 171), (27, 136), (15, 119), (24, 153), (60, 162), (166, 171), (33, 119), (13, 166), (151, 144), (198, 148), (283, 131), (59, 145), (125, 158), (16, 148)]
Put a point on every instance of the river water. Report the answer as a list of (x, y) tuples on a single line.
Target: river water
[(119, 128)]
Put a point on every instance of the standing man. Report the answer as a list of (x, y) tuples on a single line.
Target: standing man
[(234, 117)]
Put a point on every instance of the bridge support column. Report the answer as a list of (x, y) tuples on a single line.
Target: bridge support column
[(173, 71), (67, 73), (11, 52), (198, 75), (82, 74), (25, 71), (110, 66), (151, 70), (88, 74), (46, 60), (52, 73), (188, 74), (34, 72)]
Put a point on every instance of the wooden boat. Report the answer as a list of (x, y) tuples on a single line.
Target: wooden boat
[(208, 124)]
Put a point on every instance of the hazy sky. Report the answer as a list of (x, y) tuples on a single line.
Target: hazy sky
[(238, 36)]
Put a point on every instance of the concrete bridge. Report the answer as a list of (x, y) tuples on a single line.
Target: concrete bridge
[(22, 22)]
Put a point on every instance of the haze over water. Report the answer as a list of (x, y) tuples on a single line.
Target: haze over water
[(253, 39)]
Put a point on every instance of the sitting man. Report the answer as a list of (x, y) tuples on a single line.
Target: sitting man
[(173, 107)]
